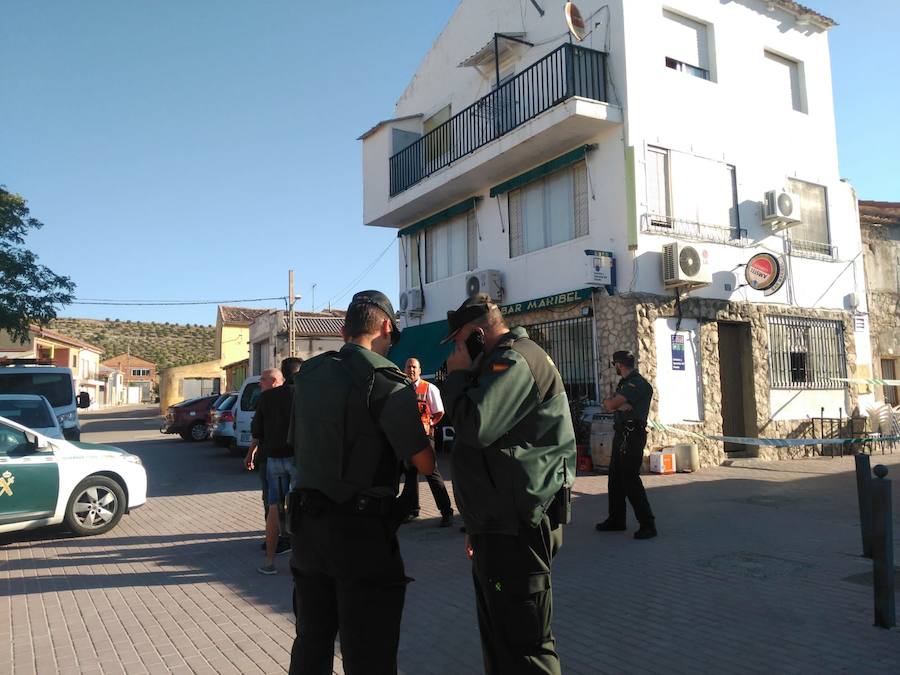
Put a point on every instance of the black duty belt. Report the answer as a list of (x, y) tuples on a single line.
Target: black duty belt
[(315, 503)]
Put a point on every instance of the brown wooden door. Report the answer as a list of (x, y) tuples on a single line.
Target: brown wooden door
[(734, 369)]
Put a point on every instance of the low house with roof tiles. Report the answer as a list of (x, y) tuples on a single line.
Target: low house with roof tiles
[(61, 350), (314, 333), (233, 332)]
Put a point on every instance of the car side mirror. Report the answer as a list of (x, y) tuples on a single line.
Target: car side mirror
[(36, 442), (84, 400)]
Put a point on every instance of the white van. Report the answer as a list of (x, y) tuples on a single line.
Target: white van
[(54, 383), (244, 411)]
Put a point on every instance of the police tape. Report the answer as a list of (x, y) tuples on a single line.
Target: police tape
[(867, 380), (774, 442)]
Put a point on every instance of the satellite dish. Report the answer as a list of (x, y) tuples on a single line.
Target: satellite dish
[(575, 22)]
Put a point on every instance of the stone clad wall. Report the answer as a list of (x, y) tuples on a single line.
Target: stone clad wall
[(627, 322), (881, 244)]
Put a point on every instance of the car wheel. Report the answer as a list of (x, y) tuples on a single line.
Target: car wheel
[(197, 432), (96, 506)]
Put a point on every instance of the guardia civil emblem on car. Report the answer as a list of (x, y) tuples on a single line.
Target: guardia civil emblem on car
[(6, 481)]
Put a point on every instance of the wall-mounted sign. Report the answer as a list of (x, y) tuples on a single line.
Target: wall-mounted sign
[(546, 302), (600, 268), (765, 272), (677, 352)]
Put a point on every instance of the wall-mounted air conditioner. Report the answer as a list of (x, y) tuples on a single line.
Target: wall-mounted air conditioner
[(685, 266), (485, 281), (781, 209), (411, 301)]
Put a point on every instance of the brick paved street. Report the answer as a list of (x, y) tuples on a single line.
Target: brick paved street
[(757, 569)]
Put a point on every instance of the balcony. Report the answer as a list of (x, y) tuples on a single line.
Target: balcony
[(565, 72), (553, 105)]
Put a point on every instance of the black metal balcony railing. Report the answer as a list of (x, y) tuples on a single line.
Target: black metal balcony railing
[(565, 72)]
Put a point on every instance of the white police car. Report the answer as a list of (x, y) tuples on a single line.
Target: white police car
[(46, 481)]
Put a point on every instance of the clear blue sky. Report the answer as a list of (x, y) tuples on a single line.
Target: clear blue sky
[(198, 150)]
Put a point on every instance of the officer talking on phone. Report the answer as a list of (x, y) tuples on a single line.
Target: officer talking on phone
[(513, 467)]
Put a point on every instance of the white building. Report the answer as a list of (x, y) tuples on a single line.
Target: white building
[(669, 123)]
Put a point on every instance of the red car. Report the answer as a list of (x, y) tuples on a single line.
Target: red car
[(189, 418)]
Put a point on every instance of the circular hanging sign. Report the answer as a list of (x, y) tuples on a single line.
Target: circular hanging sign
[(575, 22), (762, 271)]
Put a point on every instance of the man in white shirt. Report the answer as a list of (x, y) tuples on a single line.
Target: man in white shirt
[(431, 408)]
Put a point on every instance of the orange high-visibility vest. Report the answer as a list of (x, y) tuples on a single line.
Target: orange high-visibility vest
[(424, 407)]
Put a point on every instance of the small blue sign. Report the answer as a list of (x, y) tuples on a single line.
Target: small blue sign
[(678, 352)]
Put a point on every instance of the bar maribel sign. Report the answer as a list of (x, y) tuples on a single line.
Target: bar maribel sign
[(546, 302)]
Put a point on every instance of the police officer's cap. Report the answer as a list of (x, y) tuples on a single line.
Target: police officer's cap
[(625, 357), (473, 308), (379, 300)]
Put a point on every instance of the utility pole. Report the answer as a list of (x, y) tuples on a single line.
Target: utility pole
[(314, 297), (291, 299)]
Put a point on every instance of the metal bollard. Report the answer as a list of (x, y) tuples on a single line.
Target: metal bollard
[(883, 550), (864, 494)]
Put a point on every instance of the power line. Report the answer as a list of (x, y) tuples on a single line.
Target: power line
[(362, 274), (163, 303)]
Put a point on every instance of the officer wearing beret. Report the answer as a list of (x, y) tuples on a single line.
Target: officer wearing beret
[(355, 420), (630, 405), (513, 467)]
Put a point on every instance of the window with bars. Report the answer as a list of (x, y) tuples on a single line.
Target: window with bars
[(451, 248), (806, 353), (889, 372), (570, 343), (549, 211)]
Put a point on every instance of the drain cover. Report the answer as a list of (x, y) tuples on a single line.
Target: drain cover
[(755, 566)]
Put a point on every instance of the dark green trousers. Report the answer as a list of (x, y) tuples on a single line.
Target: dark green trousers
[(515, 601)]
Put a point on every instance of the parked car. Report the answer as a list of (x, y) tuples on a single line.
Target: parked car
[(188, 419), (244, 411), (55, 383), (32, 411), (47, 481), (221, 421)]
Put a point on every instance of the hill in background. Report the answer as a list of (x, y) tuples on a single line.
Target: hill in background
[(165, 344)]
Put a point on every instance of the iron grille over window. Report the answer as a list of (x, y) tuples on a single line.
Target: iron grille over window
[(570, 343), (806, 353)]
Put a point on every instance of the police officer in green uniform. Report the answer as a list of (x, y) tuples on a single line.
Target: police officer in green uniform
[(513, 467), (630, 405), (355, 420)]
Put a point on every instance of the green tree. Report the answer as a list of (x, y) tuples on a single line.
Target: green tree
[(29, 292)]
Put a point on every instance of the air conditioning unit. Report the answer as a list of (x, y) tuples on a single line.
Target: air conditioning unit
[(685, 266), (485, 281), (411, 301), (781, 209)]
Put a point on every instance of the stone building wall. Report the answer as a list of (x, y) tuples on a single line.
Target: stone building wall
[(627, 322), (881, 246)]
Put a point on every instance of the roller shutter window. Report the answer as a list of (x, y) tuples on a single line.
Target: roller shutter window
[(658, 186), (686, 44), (811, 234), (783, 83), (472, 240), (415, 275)]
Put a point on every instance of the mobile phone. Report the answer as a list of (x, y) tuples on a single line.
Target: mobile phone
[(475, 344)]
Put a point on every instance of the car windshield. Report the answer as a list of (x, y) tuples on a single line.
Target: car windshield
[(250, 395), (27, 412), (227, 403), (55, 387)]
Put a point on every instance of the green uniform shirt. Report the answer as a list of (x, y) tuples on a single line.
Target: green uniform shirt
[(638, 392), (515, 444)]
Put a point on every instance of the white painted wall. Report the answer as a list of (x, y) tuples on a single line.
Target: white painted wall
[(679, 392), (733, 119), (795, 404)]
